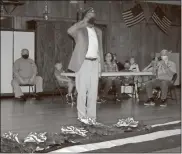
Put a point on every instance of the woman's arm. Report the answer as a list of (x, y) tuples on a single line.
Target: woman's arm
[(105, 68), (59, 78), (114, 67), (146, 68), (137, 68)]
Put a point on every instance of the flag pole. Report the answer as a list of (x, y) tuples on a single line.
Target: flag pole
[(147, 21)]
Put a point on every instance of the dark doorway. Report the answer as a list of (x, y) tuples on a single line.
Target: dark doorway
[(104, 37)]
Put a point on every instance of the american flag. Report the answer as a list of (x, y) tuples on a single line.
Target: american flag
[(161, 20), (133, 15)]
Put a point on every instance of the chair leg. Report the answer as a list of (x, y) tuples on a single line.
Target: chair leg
[(29, 91), (32, 89), (53, 96), (170, 91), (62, 96), (175, 96), (134, 92)]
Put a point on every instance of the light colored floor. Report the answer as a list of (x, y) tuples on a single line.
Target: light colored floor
[(49, 116)]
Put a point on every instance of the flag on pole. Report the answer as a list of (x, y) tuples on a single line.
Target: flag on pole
[(161, 20), (133, 15)]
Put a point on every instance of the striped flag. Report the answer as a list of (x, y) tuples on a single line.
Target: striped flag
[(133, 15), (161, 20)]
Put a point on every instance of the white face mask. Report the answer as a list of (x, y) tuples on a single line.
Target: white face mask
[(165, 58)]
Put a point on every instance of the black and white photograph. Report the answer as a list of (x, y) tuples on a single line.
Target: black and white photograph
[(90, 76)]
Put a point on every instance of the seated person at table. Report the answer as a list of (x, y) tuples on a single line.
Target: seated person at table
[(64, 81), (135, 68), (110, 66), (25, 72), (126, 80), (133, 65), (165, 69), (119, 64)]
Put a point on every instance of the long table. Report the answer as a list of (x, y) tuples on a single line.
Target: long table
[(116, 74), (119, 74)]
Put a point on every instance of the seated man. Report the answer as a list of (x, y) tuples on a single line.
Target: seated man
[(64, 81), (165, 70), (119, 64), (110, 66), (24, 72)]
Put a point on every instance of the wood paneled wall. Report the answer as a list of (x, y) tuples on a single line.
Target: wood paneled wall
[(53, 45), (141, 41)]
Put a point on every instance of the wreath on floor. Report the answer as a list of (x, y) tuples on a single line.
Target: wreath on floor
[(69, 135)]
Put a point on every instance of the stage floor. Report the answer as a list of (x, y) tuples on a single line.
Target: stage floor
[(49, 115)]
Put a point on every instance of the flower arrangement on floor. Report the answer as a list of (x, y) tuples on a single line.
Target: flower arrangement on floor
[(69, 135)]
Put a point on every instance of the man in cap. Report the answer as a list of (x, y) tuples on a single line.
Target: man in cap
[(165, 69), (87, 63), (25, 72)]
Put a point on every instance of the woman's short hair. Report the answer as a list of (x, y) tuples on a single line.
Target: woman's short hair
[(112, 56)]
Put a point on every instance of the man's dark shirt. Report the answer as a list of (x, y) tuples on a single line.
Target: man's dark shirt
[(120, 66)]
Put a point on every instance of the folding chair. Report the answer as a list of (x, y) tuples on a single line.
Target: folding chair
[(133, 92), (31, 86), (61, 89), (113, 91), (171, 89)]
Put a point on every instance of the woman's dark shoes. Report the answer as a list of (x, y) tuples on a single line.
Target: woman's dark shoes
[(37, 97)]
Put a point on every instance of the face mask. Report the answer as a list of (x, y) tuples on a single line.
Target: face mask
[(25, 56), (91, 21), (165, 58)]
